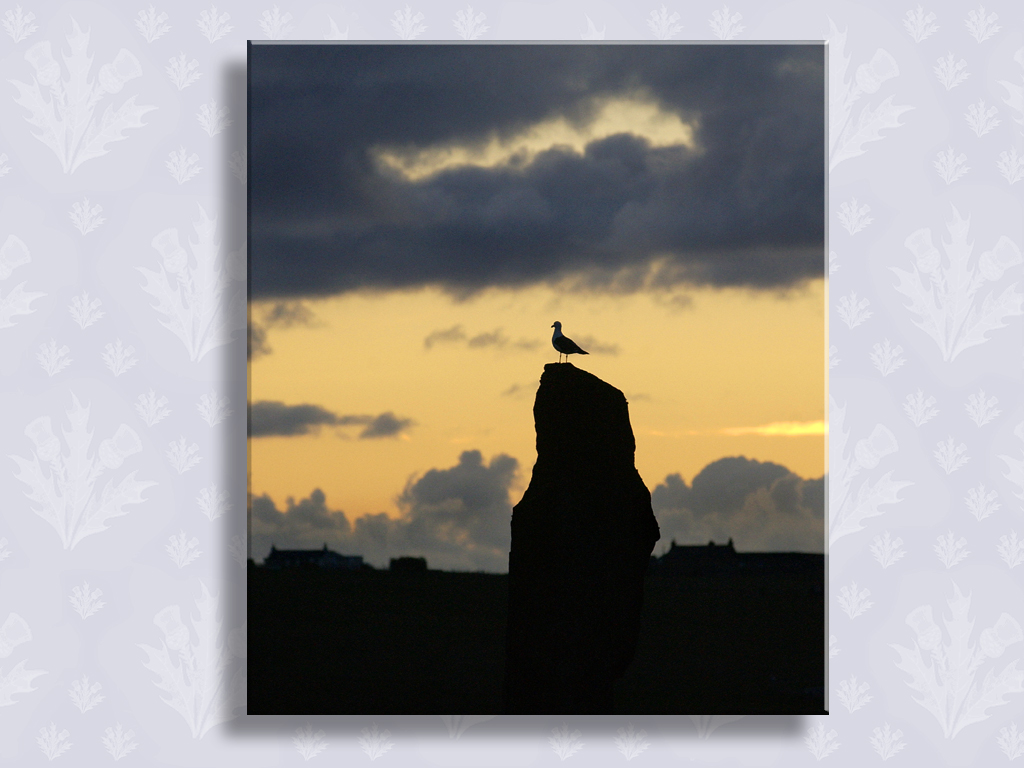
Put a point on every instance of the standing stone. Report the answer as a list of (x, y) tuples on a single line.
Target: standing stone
[(582, 538)]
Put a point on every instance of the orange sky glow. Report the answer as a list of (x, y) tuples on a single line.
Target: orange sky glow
[(722, 372)]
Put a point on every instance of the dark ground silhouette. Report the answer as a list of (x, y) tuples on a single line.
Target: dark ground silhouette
[(585, 622), (736, 641)]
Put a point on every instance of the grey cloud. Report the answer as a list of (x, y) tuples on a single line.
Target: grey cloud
[(274, 418), (674, 493), (468, 501), (455, 333), (812, 494), (746, 209), (458, 518), (495, 338), (385, 425), (303, 522), (760, 505), (677, 301), (785, 494), (492, 339), (257, 343), (282, 314), (285, 314)]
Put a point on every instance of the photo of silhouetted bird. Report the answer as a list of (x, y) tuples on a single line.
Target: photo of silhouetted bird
[(564, 344)]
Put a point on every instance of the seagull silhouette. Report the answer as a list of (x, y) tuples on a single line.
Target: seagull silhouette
[(564, 344)]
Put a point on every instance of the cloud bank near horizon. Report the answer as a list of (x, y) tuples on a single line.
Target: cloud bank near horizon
[(459, 517), (761, 506)]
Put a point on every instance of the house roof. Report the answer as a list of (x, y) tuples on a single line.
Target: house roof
[(310, 553)]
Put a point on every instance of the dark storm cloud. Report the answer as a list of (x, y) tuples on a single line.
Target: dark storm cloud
[(746, 209), (458, 518), (269, 418), (760, 505)]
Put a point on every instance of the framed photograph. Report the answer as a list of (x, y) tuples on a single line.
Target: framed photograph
[(538, 378)]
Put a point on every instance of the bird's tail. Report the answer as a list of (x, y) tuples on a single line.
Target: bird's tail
[(584, 353)]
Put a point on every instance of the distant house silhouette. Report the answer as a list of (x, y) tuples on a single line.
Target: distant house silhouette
[(724, 560), (708, 560), (322, 558), (408, 564)]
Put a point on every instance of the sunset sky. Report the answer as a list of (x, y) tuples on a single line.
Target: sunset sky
[(420, 216)]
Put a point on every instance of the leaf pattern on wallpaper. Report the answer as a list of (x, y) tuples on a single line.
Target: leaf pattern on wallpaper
[(946, 679), (848, 508), (66, 497), (207, 300), (708, 724), (457, 724), (848, 135), (13, 254), (307, 743), (947, 296), (63, 109), (118, 742), (565, 743), (920, 24), (1014, 466), (194, 674), (1014, 97), (14, 632)]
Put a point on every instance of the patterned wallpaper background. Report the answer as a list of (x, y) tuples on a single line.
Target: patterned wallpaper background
[(122, 372)]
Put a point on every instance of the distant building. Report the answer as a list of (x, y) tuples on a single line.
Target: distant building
[(697, 560), (322, 558), (408, 564), (723, 560)]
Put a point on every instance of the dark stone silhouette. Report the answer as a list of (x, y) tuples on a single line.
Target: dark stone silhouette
[(582, 537)]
